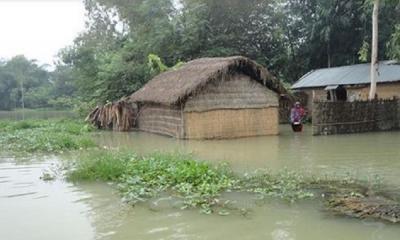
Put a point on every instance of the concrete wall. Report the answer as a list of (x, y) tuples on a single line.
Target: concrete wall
[(355, 117), (231, 123)]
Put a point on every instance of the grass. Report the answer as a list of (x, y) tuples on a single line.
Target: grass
[(33, 136), (197, 184)]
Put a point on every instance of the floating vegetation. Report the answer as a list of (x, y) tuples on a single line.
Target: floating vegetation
[(196, 184), (44, 136), (287, 185), (139, 179), (201, 185)]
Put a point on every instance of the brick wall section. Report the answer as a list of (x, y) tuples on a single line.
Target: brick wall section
[(356, 117)]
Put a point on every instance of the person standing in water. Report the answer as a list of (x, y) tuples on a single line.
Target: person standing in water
[(296, 117)]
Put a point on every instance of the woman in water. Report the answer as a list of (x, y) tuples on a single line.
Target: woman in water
[(296, 117)]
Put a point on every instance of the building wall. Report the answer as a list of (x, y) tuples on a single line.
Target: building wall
[(235, 92), (232, 123), (164, 120), (384, 91), (313, 95), (233, 108)]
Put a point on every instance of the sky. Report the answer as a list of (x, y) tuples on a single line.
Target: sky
[(38, 29)]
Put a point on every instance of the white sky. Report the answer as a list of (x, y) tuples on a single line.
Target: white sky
[(38, 29)]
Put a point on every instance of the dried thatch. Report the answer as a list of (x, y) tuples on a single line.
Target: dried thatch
[(176, 86), (118, 116)]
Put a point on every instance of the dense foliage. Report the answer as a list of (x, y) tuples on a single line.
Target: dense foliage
[(110, 59), (290, 37), (24, 83)]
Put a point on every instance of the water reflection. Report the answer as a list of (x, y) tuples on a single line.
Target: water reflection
[(33, 209)]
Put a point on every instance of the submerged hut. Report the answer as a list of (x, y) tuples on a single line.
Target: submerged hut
[(211, 98)]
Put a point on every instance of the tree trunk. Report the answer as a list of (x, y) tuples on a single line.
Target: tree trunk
[(328, 53), (22, 99), (374, 55)]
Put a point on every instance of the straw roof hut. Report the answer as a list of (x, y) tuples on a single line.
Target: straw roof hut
[(211, 98)]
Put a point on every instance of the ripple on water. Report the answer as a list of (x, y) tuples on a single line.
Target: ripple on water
[(43, 210), (20, 195)]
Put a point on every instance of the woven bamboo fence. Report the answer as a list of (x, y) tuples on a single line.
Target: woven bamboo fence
[(356, 117)]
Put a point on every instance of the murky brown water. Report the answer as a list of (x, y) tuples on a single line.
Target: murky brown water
[(361, 155), (33, 209)]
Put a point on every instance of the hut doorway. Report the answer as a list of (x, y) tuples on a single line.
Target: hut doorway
[(336, 93)]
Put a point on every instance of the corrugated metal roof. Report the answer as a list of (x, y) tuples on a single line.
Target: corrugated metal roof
[(389, 71)]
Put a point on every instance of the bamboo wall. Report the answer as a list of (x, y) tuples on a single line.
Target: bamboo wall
[(164, 120), (236, 92), (233, 108), (356, 117), (232, 123)]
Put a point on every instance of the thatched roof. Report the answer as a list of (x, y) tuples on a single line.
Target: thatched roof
[(175, 86)]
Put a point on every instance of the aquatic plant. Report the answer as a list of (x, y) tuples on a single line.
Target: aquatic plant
[(99, 166), (44, 136), (287, 185), (197, 184)]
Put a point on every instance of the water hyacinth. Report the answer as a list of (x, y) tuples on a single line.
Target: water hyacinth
[(44, 136), (287, 185), (196, 184)]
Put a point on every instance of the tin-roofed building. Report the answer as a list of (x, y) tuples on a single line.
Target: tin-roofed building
[(349, 83)]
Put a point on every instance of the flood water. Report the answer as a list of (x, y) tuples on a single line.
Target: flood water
[(360, 155), (33, 209)]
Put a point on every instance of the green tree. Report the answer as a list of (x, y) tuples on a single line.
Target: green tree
[(394, 44), (290, 37), (23, 83)]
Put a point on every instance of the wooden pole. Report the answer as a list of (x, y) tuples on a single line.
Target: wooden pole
[(374, 55)]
